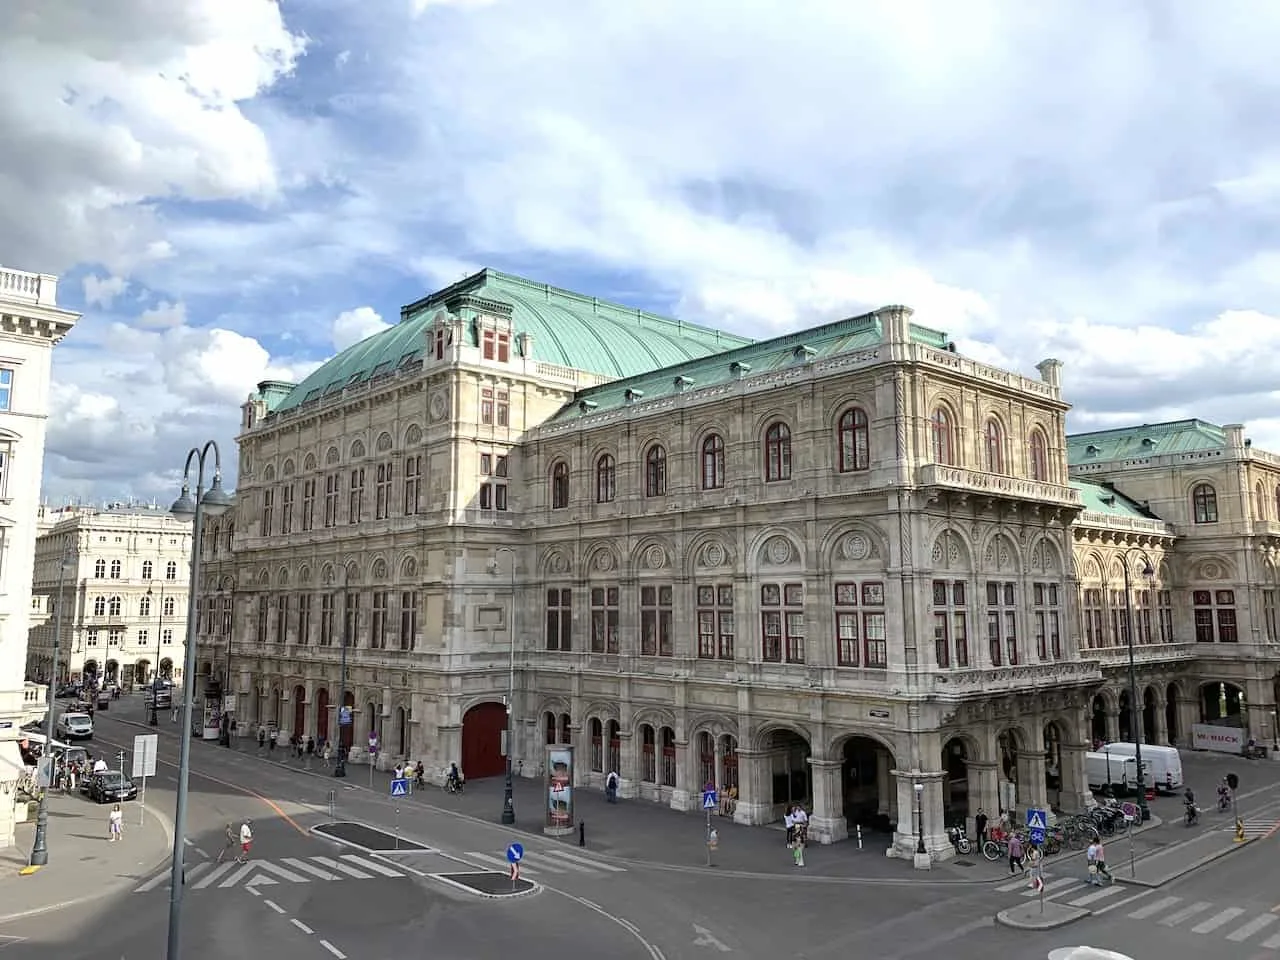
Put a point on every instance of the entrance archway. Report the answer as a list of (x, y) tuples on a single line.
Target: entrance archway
[(166, 669), (1171, 713), (142, 671), (346, 731), (112, 674), (126, 675), (1126, 718), (957, 792), (1098, 720), (1149, 715), (401, 732), (1053, 760), (1223, 704), (1008, 747), (788, 758), (90, 668), (322, 714), (482, 729), (299, 710), (273, 716)]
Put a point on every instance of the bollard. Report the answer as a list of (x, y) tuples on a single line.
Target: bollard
[(582, 833), (332, 803), (1239, 830), (858, 829)]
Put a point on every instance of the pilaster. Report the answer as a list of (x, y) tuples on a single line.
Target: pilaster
[(755, 801), (827, 822)]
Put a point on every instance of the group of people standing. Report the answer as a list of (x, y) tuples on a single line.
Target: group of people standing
[(797, 824), (1024, 856)]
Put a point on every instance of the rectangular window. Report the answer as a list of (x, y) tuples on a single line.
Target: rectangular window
[(143, 637), (326, 620), (1002, 622), (1119, 618), (1164, 612), (848, 625), (378, 625), (282, 618), (408, 619), (782, 622), (559, 620), (1048, 620), (489, 344), (6, 388), (604, 619), (91, 637), (486, 405), (1143, 634), (286, 510), (1215, 613), (332, 485), (500, 497), (382, 491), (486, 464), (504, 347), (304, 618), (5, 450), (486, 496), (656, 622), (1094, 634), (351, 620), (950, 623), (439, 344), (715, 622), (262, 621), (502, 413), (1269, 613), (308, 504), (412, 484), (227, 613), (268, 505), (166, 637), (355, 499)]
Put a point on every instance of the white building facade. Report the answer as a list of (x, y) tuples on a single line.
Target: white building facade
[(31, 323), (123, 594)]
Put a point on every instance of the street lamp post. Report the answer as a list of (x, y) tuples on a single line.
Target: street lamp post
[(214, 502), (154, 719), (1135, 728), (340, 768), (508, 798), (227, 597), (40, 848), (919, 790)]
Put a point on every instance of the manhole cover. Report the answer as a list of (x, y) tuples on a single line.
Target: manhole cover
[(963, 863), (488, 883), (370, 839)]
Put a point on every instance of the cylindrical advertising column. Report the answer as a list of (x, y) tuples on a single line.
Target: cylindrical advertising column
[(559, 819)]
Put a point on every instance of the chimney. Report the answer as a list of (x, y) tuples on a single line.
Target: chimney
[(1235, 436), (895, 323), (1051, 372)]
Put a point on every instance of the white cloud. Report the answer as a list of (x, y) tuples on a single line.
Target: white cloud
[(352, 326), (101, 291), (163, 315)]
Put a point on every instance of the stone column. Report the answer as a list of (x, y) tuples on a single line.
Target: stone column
[(1161, 727), (1188, 716), (827, 823), (1031, 786), (680, 795), (1075, 795), (1113, 723), (929, 820), (718, 773), (885, 803), (628, 752), (755, 800)]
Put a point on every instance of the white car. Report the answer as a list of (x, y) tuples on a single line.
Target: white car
[(75, 726)]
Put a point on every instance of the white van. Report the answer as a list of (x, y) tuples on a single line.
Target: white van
[(1107, 771), (1162, 764)]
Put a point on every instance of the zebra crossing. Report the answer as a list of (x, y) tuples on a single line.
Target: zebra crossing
[(546, 860), (1235, 924), (1257, 829), (209, 874)]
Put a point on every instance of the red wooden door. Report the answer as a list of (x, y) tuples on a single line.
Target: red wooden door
[(482, 728)]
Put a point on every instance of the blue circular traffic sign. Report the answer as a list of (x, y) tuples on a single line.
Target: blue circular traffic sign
[(515, 853)]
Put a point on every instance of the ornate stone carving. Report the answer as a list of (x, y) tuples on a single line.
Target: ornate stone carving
[(655, 558), (439, 406), (1210, 571), (856, 547), (778, 551), (713, 555), (604, 561), (557, 563), (900, 412)]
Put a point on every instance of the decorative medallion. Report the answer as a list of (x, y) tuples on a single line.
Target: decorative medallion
[(856, 547), (655, 558), (557, 563), (439, 406), (937, 552), (779, 551), (1211, 571), (604, 560), (713, 555)]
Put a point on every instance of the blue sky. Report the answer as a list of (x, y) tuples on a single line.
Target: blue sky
[(233, 189)]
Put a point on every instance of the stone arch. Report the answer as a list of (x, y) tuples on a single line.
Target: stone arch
[(1091, 567), (288, 469), (309, 463), (412, 435), (304, 574), (651, 555), (378, 569), (834, 747), (775, 547), (556, 560), (602, 449), (707, 551), (1115, 570), (707, 429), (264, 577), (854, 544), (759, 737), (408, 567), (836, 408), (1044, 557), (656, 717), (282, 577), (713, 723), (356, 450), (768, 418), (384, 443), (354, 573), (553, 704), (602, 559), (268, 474), (952, 550), (1000, 552), (601, 709), (328, 574), (1189, 486), (651, 440), (332, 457), (1214, 567)]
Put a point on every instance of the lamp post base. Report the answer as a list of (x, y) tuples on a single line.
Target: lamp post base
[(153, 720), (922, 861), (508, 808)]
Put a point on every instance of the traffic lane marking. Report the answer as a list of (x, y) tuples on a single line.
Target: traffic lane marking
[(295, 922)]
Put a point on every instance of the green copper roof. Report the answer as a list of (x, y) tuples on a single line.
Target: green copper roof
[(1100, 498), (817, 343), (568, 329), (1145, 440)]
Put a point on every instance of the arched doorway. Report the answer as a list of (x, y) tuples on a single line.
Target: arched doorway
[(613, 734), (1053, 763), (958, 788), (1223, 704), (126, 675), (401, 732), (299, 710), (1008, 747), (867, 784), (166, 669), (112, 673), (90, 668), (142, 671), (1149, 715), (1126, 718), (273, 715), (1098, 720), (322, 714), (482, 729), (788, 758), (1171, 713), (371, 725), (346, 731)]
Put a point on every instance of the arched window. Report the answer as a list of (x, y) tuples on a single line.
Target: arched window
[(777, 453), (144, 607), (943, 438), (171, 570), (560, 486), (116, 569), (606, 479), (169, 606), (99, 606), (712, 462), (655, 471), (1259, 502), (99, 569), (148, 568), (853, 438), (113, 607), (993, 446), (1276, 501), (1204, 504), (1039, 456)]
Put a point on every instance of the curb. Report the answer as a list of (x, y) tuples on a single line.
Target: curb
[(1006, 918), (1202, 862)]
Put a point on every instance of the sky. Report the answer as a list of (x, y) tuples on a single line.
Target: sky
[(233, 190)]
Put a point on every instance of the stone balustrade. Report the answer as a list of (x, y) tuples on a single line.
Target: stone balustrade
[(997, 485)]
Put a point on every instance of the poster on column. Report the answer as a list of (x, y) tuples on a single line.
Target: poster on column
[(559, 790)]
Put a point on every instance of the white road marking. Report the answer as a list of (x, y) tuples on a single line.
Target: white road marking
[(587, 861), (219, 870), (334, 950), (1218, 920), (202, 853), (305, 867), (1052, 886), (244, 871), (371, 865), (706, 938), (261, 880), (274, 906), (1109, 891), (253, 890), (1123, 903), (281, 872), (1151, 909), (342, 868), (502, 866), (1252, 927), (1185, 913), (1271, 943), (301, 926)]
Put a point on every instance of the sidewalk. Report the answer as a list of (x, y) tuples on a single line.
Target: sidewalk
[(1156, 868), (83, 866)]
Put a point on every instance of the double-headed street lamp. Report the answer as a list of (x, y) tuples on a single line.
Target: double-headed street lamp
[(508, 798), (228, 597), (40, 848), (153, 719), (1135, 727), (213, 502), (340, 768)]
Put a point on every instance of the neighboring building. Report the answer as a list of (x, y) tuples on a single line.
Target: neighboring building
[(828, 567), (123, 594), (30, 324)]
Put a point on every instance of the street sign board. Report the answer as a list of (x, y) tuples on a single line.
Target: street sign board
[(1037, 836), (145, 747), (44, 772), (1130, 810), (344, 716), (708, 799), (1037, 823), (515, 853), (400, 787)]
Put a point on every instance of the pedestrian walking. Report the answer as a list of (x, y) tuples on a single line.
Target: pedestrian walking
[(980, 827), (1100, 861), (246, 840), (789, 821), (611, 786), (115, 824), (1015, 855), (229, 844), (801, 837)]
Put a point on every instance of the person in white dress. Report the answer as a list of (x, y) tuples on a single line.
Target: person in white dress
[(115, 824)]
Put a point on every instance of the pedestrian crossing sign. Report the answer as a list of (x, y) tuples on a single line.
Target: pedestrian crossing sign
[(400, 787), (1036, 819), (708, 799)]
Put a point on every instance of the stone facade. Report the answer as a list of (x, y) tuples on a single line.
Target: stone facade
[(123, 593), (827, 568)]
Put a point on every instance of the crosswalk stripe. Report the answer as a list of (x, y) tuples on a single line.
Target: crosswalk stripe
[(371, 865), (281, 872), (308, 868), (1252, 927), (160, 878), (1009, 887), (1108, 891), (1186, 913), (1217, 920), (1052, 886), (491, 861), (562, 864), (596, 864), (244, 871), (217, 871), (350, 871), (1271, 943), (1151, 909)]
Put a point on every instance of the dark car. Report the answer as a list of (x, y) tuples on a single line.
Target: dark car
[(111, 787)]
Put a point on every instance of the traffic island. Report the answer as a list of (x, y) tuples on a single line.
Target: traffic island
[(1032, 916), (368, 839), (487, 883)]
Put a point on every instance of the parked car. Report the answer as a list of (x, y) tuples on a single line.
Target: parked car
[(75, 726), (111, 787)]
